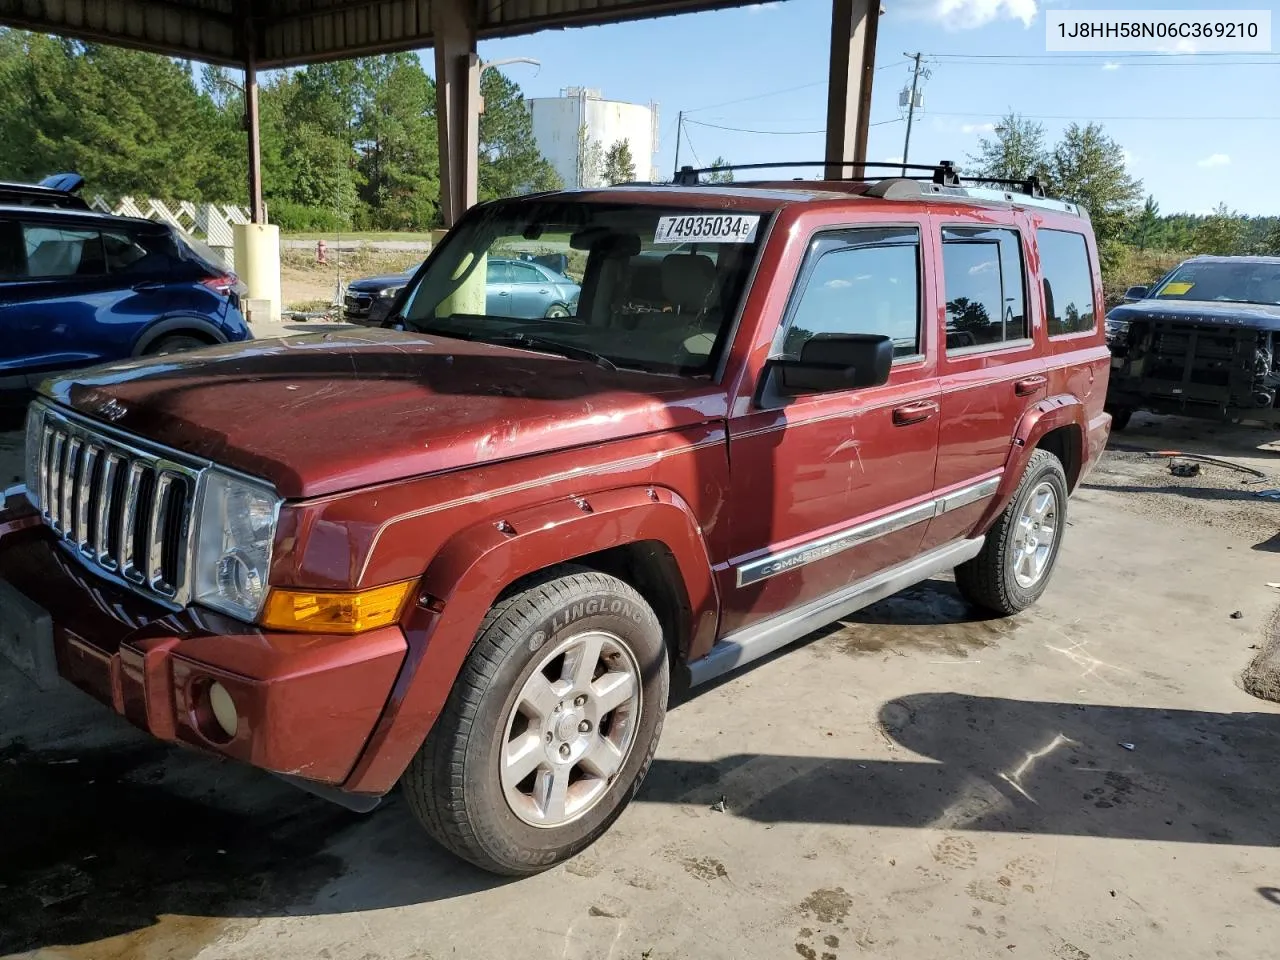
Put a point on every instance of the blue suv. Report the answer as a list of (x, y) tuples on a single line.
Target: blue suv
[(79, 288)]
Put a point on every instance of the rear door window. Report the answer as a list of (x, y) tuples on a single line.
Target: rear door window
[(984, 288), (138, 253), (1068, 282), (54, 251)]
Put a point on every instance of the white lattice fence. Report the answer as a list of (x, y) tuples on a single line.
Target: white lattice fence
[(209, 221)]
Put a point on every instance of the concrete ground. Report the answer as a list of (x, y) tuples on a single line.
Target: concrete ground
[(1086, 780)]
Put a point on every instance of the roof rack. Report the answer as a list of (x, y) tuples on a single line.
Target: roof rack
[(936, 179)]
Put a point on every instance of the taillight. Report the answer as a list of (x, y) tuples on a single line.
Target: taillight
[(222, 284)]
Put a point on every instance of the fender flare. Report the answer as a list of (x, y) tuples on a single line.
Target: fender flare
[(172, 325), (471, 570), (1062, 410)]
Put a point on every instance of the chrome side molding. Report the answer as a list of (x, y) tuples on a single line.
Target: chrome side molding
[(775, 563)]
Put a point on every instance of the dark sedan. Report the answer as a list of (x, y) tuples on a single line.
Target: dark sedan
[(522, 289)]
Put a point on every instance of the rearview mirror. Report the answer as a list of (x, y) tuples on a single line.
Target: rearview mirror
[(834, 361), (1135, 293)]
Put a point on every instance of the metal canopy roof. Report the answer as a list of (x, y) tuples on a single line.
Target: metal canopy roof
[(281, 33)]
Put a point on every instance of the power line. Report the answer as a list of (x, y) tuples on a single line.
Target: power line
[(1048, 116), (1091, 56), (1093, 64), (775, 133), (760, 96)]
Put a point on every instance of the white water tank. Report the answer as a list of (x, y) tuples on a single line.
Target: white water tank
[(558, 124)]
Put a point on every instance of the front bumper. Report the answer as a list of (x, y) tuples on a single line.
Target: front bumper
[(365, 309), (306, 703)]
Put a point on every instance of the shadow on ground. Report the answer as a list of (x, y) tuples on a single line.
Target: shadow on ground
[(116, 836)]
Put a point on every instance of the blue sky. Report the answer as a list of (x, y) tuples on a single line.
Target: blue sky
[(1188, 156)]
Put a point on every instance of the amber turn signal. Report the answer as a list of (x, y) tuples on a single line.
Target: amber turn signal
[(334, 612)]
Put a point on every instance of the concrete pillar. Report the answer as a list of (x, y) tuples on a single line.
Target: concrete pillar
[(457, 106), (257, 247), (854, 24)]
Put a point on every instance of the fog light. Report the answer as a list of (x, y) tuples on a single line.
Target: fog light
[(223, 709)]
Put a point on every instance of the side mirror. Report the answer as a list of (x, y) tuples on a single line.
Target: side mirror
[(834, 361), (1135, 293)]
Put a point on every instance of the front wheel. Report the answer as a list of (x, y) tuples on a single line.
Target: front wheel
[(557, 311), (1021, 548), (550, 727)]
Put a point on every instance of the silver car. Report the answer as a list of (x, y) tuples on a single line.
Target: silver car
[(527, 290)]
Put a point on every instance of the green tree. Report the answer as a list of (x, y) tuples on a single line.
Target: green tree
[(1271, 242), (510, 162), (399, 158), (719, 176), (1147, 229), (1221, 233), (1015, 151), (1088, 167), (619, 167), (129, 122), (590, 159)]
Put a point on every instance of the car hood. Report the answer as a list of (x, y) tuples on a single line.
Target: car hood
[(1258, 315), (323, 413), (373, 284)]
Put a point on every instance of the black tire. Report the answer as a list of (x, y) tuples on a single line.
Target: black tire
[(988, 580), (1120, 418), (557, 311), (178, 343), (453, 784)]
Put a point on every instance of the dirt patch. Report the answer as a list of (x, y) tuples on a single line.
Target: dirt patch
[(827, 906)]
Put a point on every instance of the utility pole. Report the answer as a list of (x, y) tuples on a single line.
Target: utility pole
[(916, 74), (679, 130)]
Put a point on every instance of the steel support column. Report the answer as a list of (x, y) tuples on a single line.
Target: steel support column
[(457, 106), (854, 24), (251, 122)]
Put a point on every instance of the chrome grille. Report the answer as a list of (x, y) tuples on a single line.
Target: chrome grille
[(117, 507)]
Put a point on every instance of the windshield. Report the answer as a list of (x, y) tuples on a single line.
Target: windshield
[(639, 287), (1240, 281)]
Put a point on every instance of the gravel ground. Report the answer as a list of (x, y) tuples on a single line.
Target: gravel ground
[(1086, 780)]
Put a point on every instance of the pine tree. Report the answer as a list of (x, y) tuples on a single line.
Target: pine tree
[(618, 165)]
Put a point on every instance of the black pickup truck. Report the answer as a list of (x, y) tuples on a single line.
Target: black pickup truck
[(1204, 342)]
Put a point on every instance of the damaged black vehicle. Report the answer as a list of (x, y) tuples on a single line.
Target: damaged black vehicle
[(1203, 342)]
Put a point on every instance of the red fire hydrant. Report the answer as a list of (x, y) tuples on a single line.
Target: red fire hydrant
[(322, 252)]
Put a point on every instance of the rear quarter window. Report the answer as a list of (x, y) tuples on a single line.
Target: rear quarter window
[(1067, 282)]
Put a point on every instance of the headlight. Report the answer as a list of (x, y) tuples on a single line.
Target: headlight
[(233, 545), (1117, 329), (35, 433), (388, 293)]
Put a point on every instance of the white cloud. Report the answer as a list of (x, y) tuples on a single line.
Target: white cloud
[(1110, 65), (972, 128), (1215, 160), (762, 7), (1129, 158), (967, 14)]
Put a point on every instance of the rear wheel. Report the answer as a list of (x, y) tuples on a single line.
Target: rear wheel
[(177, 343), (1021, 548), (550, 727)]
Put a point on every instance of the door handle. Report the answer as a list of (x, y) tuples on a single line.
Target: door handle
[(914, 412), (504, 293), (1024, 388)]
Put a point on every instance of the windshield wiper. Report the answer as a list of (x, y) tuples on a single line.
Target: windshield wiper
[(546, 345)]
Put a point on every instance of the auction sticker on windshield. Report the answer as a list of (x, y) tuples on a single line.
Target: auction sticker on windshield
[(707, 228)]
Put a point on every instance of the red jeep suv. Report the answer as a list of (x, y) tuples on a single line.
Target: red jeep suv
[(468, 554)]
